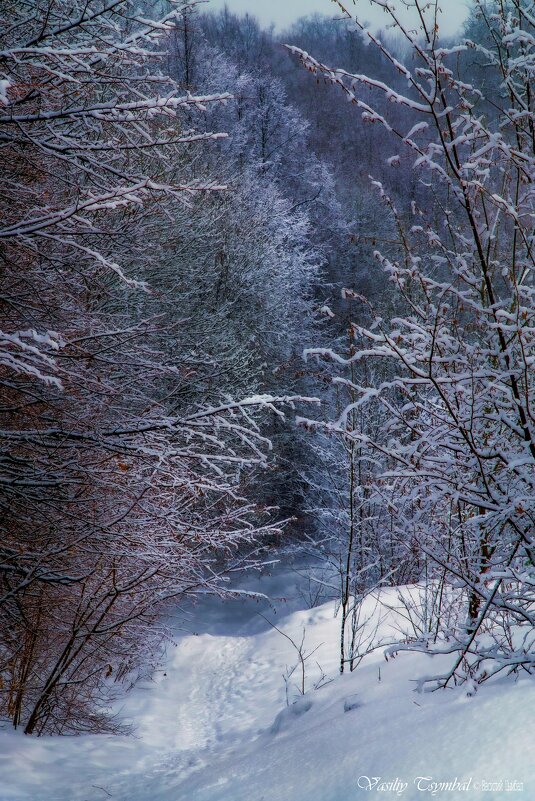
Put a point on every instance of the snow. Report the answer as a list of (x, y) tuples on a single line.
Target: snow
[(214, 725), (5, 84)]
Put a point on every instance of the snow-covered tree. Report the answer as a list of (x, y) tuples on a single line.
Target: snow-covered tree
[(457, 384), (123, 477)]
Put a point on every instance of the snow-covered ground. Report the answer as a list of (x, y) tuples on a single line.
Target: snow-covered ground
[(214, 726)]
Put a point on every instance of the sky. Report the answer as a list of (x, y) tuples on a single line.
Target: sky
[(284, 12)]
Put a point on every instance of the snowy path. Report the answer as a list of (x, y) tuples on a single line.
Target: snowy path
[(215, 726), (219, 691)]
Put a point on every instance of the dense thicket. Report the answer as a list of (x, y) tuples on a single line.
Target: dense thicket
[(152, 271), (449, 374)]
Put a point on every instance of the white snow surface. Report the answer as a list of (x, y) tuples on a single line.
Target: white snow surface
[(214, 725)]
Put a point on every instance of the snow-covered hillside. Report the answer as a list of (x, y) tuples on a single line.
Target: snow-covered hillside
[(215, 725)]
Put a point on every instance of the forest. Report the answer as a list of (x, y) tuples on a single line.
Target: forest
[(267, 314)]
